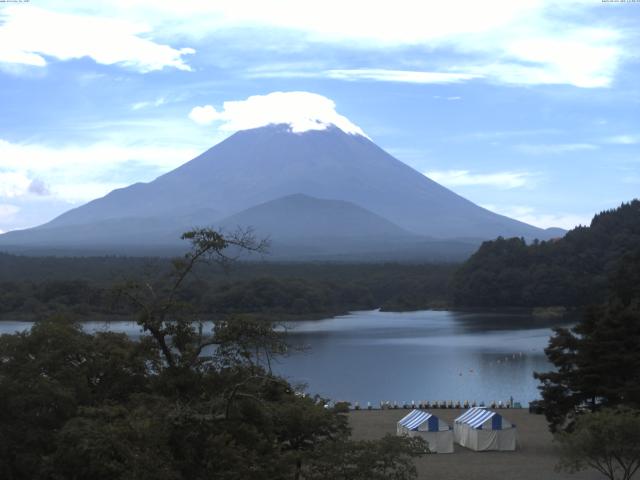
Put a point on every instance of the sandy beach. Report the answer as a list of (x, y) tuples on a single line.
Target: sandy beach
[(534, 459)]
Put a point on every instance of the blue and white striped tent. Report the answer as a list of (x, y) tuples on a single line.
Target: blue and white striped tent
[(481, 429), (420, 423)]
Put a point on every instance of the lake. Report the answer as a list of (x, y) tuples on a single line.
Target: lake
[(374, 356), (426, 355)]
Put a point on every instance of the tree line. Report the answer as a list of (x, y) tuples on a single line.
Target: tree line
[(84, 286)]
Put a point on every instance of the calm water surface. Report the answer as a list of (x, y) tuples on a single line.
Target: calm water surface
[(428, 355)]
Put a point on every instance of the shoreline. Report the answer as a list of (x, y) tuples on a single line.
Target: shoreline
[(557, 312)]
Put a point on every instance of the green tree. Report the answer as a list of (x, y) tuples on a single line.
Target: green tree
[(48, 374), (608, 441), (114, 441), (180, 337), (388, 458), (597, 361)]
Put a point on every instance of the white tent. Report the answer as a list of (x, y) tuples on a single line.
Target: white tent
[(431, 429), (481, 429)]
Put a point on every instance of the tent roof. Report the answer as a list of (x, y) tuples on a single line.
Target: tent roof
[(476, 416), (469, 413), (415, 418)]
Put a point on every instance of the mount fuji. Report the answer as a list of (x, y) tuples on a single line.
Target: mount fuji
[(302, 189)]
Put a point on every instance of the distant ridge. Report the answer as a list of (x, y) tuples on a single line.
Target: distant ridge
[(300, 216)]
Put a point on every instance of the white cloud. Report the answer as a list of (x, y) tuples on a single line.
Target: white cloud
[(464, 178), (553, 149), (14, 184), (204, 115), (364, 74), (18, 183), (303, 111), (28, 35), (579, 56), (406, 76), (400, 22), (154, 103), (7, 215), (75, 173), (513, 73), (624, 139), (543, 220), (514, 42), (531, 61), (8, 211)]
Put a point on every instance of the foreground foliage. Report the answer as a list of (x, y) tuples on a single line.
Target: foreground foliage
[(389, 458), (186, 401), (608, 441)]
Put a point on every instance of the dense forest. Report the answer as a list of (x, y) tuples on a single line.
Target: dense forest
[(31, 287), (572, 271)]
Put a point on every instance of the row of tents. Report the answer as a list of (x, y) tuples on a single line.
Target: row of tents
[(478, 429)]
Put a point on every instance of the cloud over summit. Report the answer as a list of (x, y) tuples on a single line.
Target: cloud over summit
[(302, 111)]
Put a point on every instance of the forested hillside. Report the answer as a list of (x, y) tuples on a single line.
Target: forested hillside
[(572, 271)]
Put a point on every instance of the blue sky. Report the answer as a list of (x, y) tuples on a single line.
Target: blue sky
[(530, 108)]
